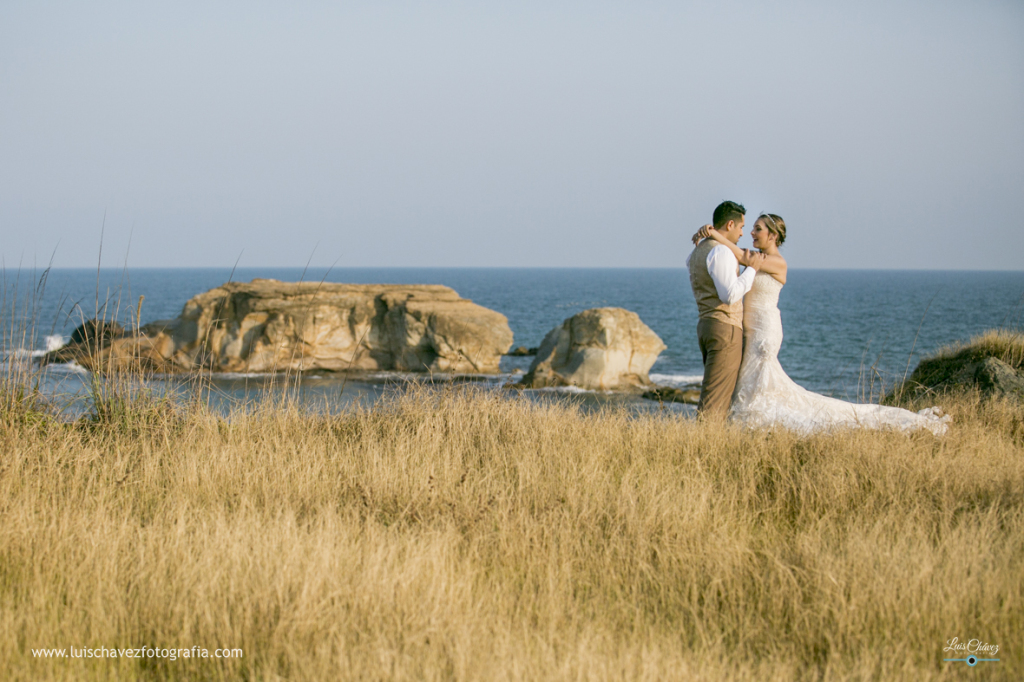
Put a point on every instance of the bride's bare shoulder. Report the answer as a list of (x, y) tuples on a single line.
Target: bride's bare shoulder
[(776, 266)]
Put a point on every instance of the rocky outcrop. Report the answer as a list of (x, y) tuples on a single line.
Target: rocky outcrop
[(88, 338), (271, 326), (127, 352), (991, 376), (90, 330), (992, 364), (597, 349)]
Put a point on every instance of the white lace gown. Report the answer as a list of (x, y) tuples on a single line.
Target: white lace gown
[(766, 396)]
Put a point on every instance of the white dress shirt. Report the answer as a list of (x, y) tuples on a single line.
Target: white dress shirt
[(722, 266)]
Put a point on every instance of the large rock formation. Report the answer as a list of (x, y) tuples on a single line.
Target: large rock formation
[(271, 326), (597, 349)]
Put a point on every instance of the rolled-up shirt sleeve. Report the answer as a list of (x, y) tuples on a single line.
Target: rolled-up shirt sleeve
[(722, 266)]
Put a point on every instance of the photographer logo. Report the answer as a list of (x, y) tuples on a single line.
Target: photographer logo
[(972, 652)]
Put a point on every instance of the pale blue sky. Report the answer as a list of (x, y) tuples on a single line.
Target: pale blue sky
[(887, 134)]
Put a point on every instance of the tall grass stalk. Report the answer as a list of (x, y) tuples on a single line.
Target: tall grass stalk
[(20, 395)]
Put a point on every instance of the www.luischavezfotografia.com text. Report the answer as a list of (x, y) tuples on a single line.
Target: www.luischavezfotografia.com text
[(171, 654)]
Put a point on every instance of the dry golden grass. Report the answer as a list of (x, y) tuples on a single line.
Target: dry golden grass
[(462, 535)]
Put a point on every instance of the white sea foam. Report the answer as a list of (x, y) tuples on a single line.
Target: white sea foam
[(677, 380), (566, 389), (391, 376), (22, 355), (52, 343), (387, 375), (67, 368), (375, 377)]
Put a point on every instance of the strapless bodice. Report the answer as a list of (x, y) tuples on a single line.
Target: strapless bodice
[(762, 321), (763, 294)]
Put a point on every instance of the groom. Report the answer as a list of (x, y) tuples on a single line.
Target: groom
[(719, 290)]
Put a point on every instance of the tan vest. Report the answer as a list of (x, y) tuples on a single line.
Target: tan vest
[(709, 306)]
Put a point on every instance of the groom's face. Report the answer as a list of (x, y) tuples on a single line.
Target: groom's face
[(733, 230)]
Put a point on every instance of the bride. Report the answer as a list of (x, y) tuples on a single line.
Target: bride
[(765, 395)]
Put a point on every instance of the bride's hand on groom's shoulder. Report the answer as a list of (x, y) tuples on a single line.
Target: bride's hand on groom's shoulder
[(701, 234)]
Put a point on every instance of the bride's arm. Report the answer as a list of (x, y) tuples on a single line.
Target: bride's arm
[(708, 232), (773, 265)]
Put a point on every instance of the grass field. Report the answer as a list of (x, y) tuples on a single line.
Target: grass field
[(458, 534)]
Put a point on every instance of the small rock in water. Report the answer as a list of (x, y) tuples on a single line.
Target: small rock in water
[(522, 351), (667, 394), (599, 349)]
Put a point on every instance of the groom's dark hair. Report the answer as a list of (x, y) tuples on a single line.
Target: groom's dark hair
[(726, 211)]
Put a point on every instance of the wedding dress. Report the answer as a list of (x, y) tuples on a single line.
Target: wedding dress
[(766, 396)]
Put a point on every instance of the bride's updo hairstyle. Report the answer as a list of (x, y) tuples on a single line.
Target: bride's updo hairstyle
[(776, 225)]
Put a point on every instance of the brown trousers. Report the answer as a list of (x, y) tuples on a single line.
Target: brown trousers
[(721, 348)]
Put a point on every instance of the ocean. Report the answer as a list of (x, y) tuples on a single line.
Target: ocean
[(848, 333)]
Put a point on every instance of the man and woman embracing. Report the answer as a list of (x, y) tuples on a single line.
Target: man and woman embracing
[(739, 330)]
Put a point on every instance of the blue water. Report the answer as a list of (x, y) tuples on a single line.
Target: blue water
[(848, 333)]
